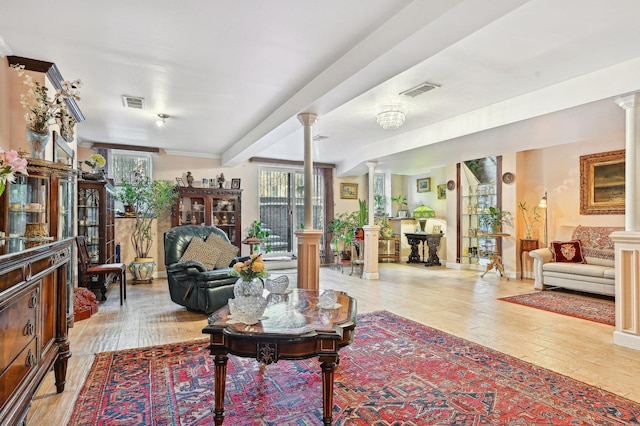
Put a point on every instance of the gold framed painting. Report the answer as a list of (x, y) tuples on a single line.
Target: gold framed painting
[(442, 191), (349, 191), (602, 183), (424, 184)]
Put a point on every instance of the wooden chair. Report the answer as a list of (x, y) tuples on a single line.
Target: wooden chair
[(108, 271)]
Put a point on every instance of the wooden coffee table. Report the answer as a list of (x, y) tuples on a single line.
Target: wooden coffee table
[(293, 327)]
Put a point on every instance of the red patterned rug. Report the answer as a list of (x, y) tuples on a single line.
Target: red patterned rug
[(396, 372), (589, 308)]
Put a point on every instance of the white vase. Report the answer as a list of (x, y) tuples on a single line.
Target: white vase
[(248, 304), (253, 287)]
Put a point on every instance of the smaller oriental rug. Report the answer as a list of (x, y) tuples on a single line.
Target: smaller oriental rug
[(592, 309), (395, 373)]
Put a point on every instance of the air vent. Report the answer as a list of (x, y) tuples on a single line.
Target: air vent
[(419, 89), (132, 102)]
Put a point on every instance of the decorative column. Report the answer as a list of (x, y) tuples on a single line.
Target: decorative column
[(627, 242), (371, 233), (308, 238)]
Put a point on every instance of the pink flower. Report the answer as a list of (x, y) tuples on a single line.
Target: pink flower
[(11, 163)]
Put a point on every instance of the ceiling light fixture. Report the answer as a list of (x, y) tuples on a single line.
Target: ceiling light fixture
[(391, 117), (162, 119)]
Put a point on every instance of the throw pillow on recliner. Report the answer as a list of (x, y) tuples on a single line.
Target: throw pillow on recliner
[(227, 251), (567, 251), (199, 250)]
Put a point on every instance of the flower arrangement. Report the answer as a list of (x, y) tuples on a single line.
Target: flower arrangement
[(251, 268), (10, 163), (42, 110), (95, 160)]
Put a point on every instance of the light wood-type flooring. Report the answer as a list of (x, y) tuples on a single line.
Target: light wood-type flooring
[(458, 302)]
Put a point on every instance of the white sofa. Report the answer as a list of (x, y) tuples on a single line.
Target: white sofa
[(597, 275)]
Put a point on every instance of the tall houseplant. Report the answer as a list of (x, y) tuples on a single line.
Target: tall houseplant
[(148, 199)]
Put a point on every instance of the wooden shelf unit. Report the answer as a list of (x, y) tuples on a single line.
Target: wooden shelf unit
[(211, 206)]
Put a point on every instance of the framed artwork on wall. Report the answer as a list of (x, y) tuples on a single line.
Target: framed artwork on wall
[(602, 183), (235, 183), (424, 184), (442, 191), (349, 191)]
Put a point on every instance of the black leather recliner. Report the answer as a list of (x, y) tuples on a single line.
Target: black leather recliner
[(190, 283)]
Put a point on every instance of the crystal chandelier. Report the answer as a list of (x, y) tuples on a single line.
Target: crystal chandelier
[(391, 117)]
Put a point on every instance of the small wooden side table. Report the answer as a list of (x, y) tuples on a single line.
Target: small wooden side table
[(526, 245)]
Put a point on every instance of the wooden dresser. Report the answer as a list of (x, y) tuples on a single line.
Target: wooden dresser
[(33, 321)]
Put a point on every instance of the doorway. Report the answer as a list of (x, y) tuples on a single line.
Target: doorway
[(282, 205)]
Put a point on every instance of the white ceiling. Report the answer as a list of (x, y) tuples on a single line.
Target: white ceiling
[(233, 75)]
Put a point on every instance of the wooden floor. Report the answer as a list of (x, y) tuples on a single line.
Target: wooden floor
[(458, 302)]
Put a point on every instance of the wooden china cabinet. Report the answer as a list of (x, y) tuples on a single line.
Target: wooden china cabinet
[(96, 222), (211, 206), (37, 215)]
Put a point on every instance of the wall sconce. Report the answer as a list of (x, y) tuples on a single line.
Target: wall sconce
[(391, 117), (543, 204)]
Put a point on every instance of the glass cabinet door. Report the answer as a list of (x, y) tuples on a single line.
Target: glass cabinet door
[(223, 212), (66, 210), (192, 210), (28, 207), (89, 220)]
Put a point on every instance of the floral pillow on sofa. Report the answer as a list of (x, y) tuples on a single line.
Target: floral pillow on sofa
[(567, 251)]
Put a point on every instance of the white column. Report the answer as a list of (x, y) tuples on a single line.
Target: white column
[(308, 120), (627, 242), (308, 238), (371, 233)]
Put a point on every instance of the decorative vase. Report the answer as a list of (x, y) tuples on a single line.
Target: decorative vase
[(386, 232), (93, 175), (528, 232), (253, 287), (248, 305), (37, 143), (423, 223), (142, 269)]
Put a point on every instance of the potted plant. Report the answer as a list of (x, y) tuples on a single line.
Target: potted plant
[(529, 221), (401, 202), (149, 199), (362, 218), (341, 228), (493, 218), (257, 236)]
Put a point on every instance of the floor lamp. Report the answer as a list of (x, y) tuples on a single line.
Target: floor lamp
[(543, 205)]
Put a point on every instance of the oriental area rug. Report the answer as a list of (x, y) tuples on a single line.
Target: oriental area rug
[(588, 308), (396, 372)]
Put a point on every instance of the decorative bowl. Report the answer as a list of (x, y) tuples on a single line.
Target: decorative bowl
[(277, 285)]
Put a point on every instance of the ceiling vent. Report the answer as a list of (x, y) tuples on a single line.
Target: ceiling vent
[(419, 89), (132, 102)]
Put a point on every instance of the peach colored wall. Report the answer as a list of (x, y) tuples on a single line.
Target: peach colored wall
[(557, 170)]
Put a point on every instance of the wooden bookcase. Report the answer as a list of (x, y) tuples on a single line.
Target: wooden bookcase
[(211, 206), (96, 221)]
